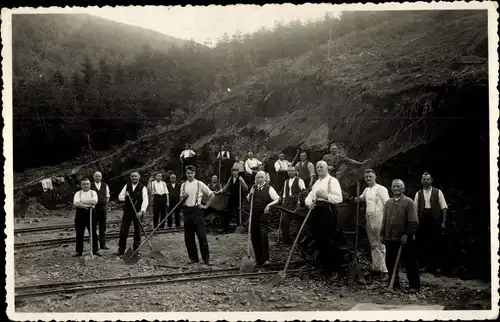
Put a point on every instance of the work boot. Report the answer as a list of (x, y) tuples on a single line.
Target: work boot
[(119, 253), (105, 247), (206, 260), (193, 261), (411, 291), (77, 255), (97, 254)]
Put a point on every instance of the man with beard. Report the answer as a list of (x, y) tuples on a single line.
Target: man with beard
[(398, 229), (194, 221), (233, 186), (432, 212), (134, 194), (293, 195), (264, 197), (323, 198), (101, 209), (375, 197)]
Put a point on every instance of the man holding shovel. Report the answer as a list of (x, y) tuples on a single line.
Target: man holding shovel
[(398, 230), (133, 194), (375, 197), (233, 186), (84, 200), (194, 221), (264, 197), (101, 209), (293, 196), (324, 196)]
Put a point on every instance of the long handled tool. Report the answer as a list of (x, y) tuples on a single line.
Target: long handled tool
[(130, 257), (280, 276), (247, 264), (355, 270), (90, 259), (395, 270), (239, 229), (220, 163), (279, 227)]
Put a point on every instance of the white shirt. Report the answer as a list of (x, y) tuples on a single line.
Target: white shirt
[(85, 197), (328, 184), (98, 186), (375, 198), (281, 165), (195, 189), (272, 193), (252, 163), (225, 155), (302, 186), (187, 154), (159, 188), (427, 199), (145, 201)]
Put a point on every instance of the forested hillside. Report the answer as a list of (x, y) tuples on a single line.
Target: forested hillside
[(396, 87)]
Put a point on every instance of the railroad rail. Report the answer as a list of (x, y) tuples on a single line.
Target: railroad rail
[(54, 227), (85, 286), (59, 241)]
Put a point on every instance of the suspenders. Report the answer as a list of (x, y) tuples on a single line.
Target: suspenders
[(183, 188)]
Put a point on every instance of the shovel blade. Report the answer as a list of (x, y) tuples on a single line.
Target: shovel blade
[(128, 258), (247, 265), (280, 276), (156, 254)]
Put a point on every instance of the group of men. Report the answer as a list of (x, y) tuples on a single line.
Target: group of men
[(390, 222)]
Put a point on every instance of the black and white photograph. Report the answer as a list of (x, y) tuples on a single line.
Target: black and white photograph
[(245, 162)]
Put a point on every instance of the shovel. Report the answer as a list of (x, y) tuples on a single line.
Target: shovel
[(247, 264), (155, 254), (239, 229), (129, 256), (355, 270), (395, 270), (90, 259), (281, 275)]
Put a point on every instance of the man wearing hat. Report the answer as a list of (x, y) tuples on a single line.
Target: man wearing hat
[(233, 186)]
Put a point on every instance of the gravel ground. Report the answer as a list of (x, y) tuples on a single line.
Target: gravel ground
[(296, 293)]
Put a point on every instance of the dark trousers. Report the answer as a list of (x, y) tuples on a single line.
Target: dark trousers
[(231, 210), (127, 220), (82, 221), (159, 209), (259, 235), (289, 203), (409, 256), (176, 215), (281, 176), (101, 214), (429, 241), (194, 224), (324, 225)]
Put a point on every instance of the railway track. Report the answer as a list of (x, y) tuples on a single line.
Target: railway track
[(89, 286), (54, 227), (59, 241)]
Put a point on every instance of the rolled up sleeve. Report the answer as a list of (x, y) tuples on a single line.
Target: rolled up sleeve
[(335, 193), (145, 201)]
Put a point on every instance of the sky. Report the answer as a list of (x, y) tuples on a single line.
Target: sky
[(209, 23)]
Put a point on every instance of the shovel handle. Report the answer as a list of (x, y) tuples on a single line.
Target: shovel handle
[(395, 270), (154, 230), (249, 250), (140, 222), (239, 200), (296, 240)]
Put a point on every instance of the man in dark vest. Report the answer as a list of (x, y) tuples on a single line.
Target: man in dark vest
[(293, 197), (306, 170), (432, 212), (264, 197), (224, 159), (233, 187), (174, 191), (159, 192), (135, 196), (101, 209)]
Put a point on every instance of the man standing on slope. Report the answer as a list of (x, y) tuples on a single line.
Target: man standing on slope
[(251, 167), (134, 195), (188, 157), (194, 221), (101, 209), (306, 170), (323, 198), (281, 167), (375, 197), (264, 197), (240, 165), (338, 161), (398, 230), (223, 159), (432, 212)]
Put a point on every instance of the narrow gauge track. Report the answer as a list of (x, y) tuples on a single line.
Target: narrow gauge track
[(58, 241), (148, 280), (54, 227)]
